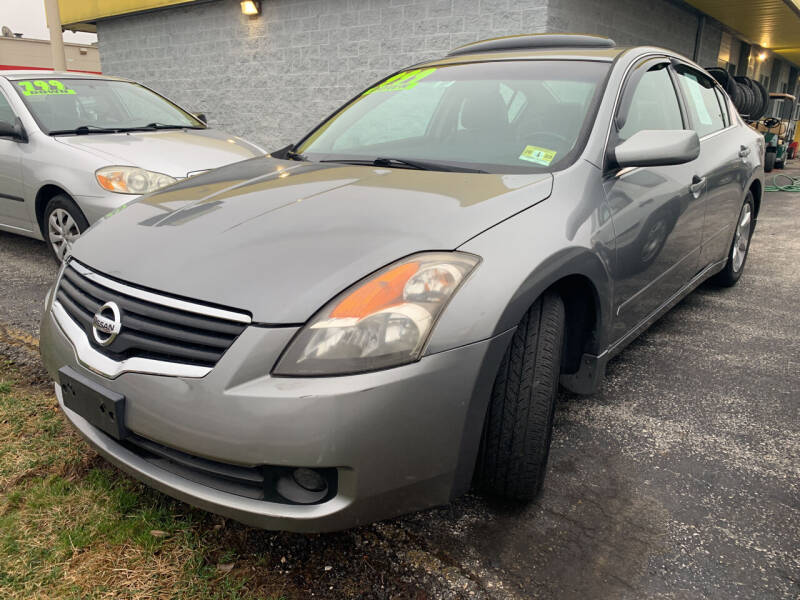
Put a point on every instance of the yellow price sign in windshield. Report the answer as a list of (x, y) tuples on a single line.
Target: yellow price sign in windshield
[(402, 81), (40, 87)]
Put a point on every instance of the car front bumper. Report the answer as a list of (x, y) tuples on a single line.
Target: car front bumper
[(95, 208), (400, 440)]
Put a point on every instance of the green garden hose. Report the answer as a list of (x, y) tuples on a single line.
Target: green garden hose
[(792, 186)]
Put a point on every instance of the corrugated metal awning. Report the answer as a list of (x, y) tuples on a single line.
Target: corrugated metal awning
[(771, 24)]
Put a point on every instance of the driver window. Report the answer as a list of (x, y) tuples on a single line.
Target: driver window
[(654, 104), (702, 100), (6, 112)]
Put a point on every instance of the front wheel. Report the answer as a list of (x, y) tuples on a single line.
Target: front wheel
[(740, 246), (63, 224), (519, 421)]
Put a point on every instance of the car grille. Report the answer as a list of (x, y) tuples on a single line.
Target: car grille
[(151, 325)]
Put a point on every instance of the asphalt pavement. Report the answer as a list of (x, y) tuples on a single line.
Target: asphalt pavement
[(679, 479)]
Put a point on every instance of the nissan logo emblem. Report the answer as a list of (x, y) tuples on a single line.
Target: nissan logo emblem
[(106, 324)]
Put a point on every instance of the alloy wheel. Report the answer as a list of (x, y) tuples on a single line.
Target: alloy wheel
[(62, 231), (741, 240)]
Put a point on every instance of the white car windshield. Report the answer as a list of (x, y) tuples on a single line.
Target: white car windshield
[(504, 116), (95, 105)]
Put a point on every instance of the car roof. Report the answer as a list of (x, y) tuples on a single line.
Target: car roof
[(593, 54), (545, 46), (608, 55), (41, 73)]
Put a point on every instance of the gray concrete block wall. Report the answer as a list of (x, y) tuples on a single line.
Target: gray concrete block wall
[(639, 23), (271, 78)]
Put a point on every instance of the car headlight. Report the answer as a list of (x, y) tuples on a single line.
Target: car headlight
[(131, 180), (382, 321)]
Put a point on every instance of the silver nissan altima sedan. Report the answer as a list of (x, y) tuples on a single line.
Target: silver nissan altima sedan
[(74, 147), (371, 320)]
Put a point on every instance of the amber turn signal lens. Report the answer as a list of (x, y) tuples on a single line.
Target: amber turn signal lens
[(382, 292)]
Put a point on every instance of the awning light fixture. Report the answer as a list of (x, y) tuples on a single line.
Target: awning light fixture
[(251, 8)]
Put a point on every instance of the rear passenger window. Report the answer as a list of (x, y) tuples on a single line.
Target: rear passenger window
[(702, 100), (723, 102), (654, 104)]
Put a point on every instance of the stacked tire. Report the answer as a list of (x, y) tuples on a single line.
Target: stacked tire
[(748, 95)]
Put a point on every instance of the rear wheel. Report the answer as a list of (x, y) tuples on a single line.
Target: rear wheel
[(740, 246), (63, 224), (519, 421)]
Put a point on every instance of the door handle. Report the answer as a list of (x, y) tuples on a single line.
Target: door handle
[(698, 183), (744, 151)]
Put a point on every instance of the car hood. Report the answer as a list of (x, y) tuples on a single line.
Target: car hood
[(174, 152), (280, 238)]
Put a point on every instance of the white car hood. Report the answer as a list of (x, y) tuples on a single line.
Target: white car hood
[(175, 152)]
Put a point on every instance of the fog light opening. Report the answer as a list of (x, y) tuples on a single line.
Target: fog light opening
[(309, 480), (303, 486)]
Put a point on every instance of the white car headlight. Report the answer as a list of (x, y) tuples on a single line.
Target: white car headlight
[(131, 180), (382, 321)]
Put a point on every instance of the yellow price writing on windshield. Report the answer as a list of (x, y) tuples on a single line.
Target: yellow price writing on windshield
[(402, 81), (40, 87)]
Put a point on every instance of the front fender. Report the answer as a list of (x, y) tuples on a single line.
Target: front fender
[(521, 258)]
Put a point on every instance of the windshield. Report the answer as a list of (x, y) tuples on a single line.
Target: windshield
[(63, 105), (500, 117)]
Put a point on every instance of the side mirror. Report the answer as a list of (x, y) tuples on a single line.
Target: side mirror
[(652, 148), (201, 117), (15, 131)]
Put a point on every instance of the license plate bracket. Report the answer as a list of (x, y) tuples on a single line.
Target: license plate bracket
[(101, 407)]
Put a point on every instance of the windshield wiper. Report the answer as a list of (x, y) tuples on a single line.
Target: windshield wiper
[(404, 163), (86, 129), (163, 126), (424, 165)]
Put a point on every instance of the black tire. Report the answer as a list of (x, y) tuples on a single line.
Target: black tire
[(764, 99), (735, 95), (519, 421), (757, 104), (769, 161), (64, 204), (748, 97), (731, 274)]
